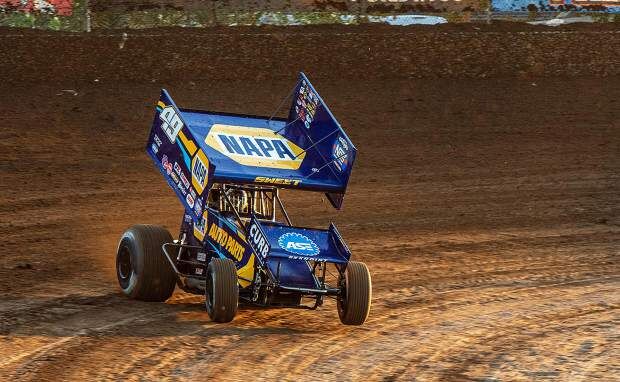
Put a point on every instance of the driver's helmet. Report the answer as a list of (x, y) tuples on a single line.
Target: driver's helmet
[(239, 199)]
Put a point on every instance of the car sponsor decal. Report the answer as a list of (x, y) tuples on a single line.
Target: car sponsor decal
[(181, 188), (177, 168), (199, 228), (253, 146), (200, 171), (225, 238), (179, 171), (306, 104), (198, 207), (171, 123), (166, 164), (298, 244), (189, 200), (184, 180), (340, 155), (226, 241), (259, 240), (282, 181), (307, 258)]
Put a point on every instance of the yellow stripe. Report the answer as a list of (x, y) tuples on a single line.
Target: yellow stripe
[(161, 104), (189, 145), (241, 236), (247, 272)]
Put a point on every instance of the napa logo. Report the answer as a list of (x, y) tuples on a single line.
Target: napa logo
[(200, 171), (255, 146), (298, 244)]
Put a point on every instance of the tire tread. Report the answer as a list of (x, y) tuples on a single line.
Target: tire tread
[(359, 292), (226, 290), (158, 280)]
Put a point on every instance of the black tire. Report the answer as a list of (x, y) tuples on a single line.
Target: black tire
[(356, 293), (142, 269), (222, 290)]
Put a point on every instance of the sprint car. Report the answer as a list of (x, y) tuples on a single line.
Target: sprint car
[(237, 243)]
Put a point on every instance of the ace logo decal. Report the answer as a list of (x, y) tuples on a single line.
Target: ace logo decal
[(298, 244)]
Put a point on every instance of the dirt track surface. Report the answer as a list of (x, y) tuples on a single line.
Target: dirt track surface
[(487, 210)]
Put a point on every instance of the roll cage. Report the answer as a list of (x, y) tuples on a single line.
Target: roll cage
[(262, 202)]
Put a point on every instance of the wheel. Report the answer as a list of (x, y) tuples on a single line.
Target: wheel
[(142, 269), (222, 290), (355, 294)]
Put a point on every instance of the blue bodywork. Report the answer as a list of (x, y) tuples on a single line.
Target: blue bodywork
[(292, 247), (308, 150)]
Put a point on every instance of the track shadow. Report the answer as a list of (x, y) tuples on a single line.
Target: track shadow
[(112, 314)]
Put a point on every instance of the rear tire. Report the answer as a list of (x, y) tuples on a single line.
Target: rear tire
[(356, 293), (142, 270), (222, 290)]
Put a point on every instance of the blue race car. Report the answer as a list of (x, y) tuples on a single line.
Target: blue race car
[(237, 243)]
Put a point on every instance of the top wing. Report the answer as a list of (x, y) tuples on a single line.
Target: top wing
[(309, 150)]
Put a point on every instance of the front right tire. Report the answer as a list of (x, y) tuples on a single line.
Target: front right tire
[(355, 294)]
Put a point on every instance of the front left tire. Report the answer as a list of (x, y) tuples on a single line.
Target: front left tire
[(222, 290)]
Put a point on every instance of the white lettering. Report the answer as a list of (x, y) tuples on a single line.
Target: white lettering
[(171, 124), (259, 240)]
